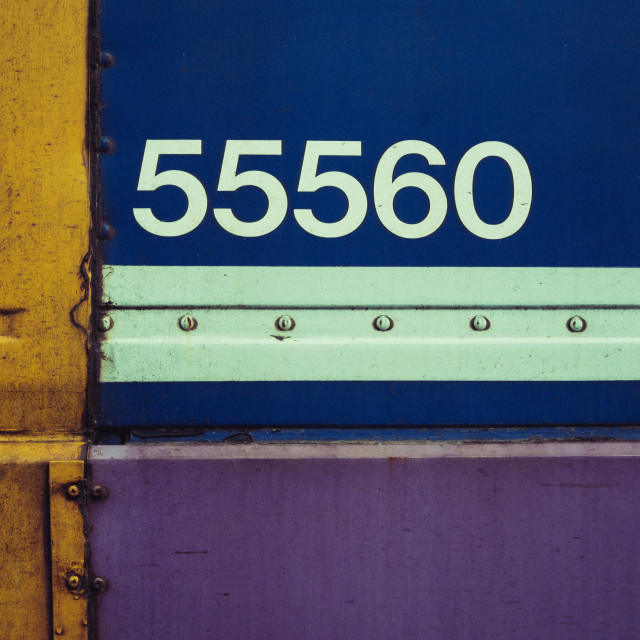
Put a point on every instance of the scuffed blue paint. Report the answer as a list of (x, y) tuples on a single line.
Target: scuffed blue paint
[(516, 434)]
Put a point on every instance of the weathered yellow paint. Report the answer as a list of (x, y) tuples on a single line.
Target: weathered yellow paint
[(67, 497), (44, 238), (25, 584), (44, 214)]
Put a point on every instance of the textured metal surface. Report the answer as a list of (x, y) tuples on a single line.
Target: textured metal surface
[(159, 286), (44, 297), (237, 368), (44, 214), (468, 435), (326, 344), (25, 562), (69, 580), (367, 541), (367, 154)]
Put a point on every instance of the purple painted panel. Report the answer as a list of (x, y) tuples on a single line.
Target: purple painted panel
[(368, 542)]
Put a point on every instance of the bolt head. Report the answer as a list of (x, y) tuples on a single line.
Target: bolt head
[(480, 323), (576, 324), (73, 491), (187, 323), (105, 232), (285, 323), (105, 323), (99, 584), (73, 581), (106, 144), (98, 492), (107, 59), (383, 323)]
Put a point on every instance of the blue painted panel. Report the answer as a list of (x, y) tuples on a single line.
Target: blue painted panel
[(368, 403), (556, 81)]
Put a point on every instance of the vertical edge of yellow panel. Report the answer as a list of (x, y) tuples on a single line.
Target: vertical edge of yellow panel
[(69, 576), (44, 215)]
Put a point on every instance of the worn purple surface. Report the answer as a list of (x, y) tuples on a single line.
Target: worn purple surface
[(358, 542)]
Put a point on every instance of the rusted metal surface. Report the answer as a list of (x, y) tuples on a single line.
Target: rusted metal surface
[(368, 541)]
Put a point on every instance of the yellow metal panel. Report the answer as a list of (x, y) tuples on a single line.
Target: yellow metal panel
[(67, 504), (44, 213), (25, 582)]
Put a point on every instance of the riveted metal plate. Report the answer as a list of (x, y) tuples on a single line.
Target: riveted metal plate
[(332, 163), (69, 586)]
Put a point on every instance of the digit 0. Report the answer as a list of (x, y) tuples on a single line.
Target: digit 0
[(522, 190)]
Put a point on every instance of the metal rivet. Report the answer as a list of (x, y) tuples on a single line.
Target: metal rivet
[(107, 59), (480, 323), (99, 584), (285, 323), (383, 323), (576, 324), (73, 581), (98, 492), (73, 491), (105, 232), (105, 323), (106, 144), (59, 631), (187, 323)]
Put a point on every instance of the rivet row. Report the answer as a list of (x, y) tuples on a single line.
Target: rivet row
[(575, 324)]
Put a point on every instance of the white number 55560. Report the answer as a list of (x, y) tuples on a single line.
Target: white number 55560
[(385, 188)]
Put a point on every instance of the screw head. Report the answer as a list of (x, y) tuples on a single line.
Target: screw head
[(59, 631), (99, 584), (73, 581), (73, 491), (107, 59), (187, 323), (98, 492), (105, 232), (480, 323), (105, 323), (383, 323), (576, 324), (106, 144), (285, 323)]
